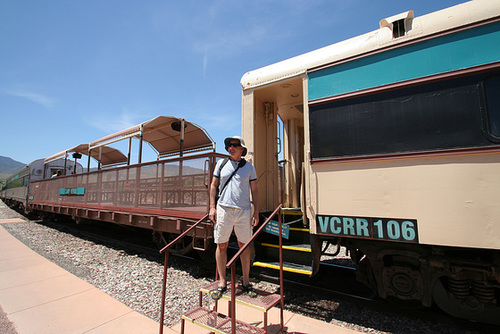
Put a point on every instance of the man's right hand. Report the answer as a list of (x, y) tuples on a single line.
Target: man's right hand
[(212, 215)]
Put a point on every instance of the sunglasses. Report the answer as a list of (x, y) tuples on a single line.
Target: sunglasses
[(234, 145)]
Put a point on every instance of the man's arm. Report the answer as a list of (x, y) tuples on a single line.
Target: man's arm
[(255, 199), (213, 190)]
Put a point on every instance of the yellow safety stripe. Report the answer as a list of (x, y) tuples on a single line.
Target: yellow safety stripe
[(299, 229), (272, 266), (299, 249), (293, 213)]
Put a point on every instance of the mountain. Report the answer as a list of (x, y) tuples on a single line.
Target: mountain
[(8, 166)]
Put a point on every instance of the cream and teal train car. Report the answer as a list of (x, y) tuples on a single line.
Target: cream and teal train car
[(389, 144), (16, 188)]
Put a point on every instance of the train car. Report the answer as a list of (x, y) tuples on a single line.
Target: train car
[(390, 146), (165, 196), (16, 188)]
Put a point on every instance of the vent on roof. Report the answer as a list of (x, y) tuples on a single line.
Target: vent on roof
[(399, 24), (398, 28)]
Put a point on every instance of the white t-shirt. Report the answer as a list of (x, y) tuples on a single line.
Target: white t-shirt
[(236, 194)]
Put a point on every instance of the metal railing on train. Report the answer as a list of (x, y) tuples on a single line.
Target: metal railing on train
[(170, 184)]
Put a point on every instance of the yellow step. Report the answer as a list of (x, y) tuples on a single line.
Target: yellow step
[(290, 247), (285, 268)]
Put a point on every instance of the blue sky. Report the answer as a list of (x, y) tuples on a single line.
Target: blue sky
[(74, 71)]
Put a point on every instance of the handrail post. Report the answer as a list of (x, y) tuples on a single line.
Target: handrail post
[(280, 223), (164, 291), (233, 298)]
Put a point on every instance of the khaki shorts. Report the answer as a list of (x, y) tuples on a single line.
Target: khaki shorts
[(229, 219)]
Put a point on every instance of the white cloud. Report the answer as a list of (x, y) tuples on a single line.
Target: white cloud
[(111, 123), (218, 29), (40, 99)]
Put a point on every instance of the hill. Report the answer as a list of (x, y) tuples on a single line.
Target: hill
[(8, 166)]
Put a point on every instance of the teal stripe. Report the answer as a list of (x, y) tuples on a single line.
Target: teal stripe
[(460, 50), (79, 191)]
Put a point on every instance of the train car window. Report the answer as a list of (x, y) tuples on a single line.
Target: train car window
[(18, 182), (492, 92), (434, 116)]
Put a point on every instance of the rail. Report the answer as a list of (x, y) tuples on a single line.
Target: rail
[(232, 264), (165, 267), (173, 184)]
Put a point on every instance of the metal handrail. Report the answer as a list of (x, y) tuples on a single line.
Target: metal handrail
[(165, 267), (143, 164), (128, 181), (232, 264)]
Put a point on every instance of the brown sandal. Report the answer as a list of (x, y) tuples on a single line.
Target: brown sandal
[(248, 288), (217, 294)]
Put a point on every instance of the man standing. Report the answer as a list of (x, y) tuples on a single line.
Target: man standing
[(236, 179)]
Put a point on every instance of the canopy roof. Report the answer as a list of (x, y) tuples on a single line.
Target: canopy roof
[(164, 134), (109, 155)]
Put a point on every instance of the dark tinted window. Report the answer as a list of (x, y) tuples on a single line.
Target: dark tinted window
[(434, 116), (493, 103)]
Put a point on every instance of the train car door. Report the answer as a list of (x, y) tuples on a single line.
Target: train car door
[(273, 128)]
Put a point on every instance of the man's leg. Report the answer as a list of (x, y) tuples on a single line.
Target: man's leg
[(245, 263), (221, 260), (245, 266)]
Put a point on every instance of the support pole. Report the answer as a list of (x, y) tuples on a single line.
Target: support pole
[(129, 150), (181, 154), (182, 138), (88, 161), (140, 143), (100, 157), (232, 310), (280, 221), (65, 160), (163, 291)]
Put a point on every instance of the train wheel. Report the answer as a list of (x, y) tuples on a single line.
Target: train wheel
[(183, 247), (458, 299), (404, 285)]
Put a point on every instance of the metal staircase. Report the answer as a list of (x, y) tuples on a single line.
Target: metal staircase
[(218, 322)]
